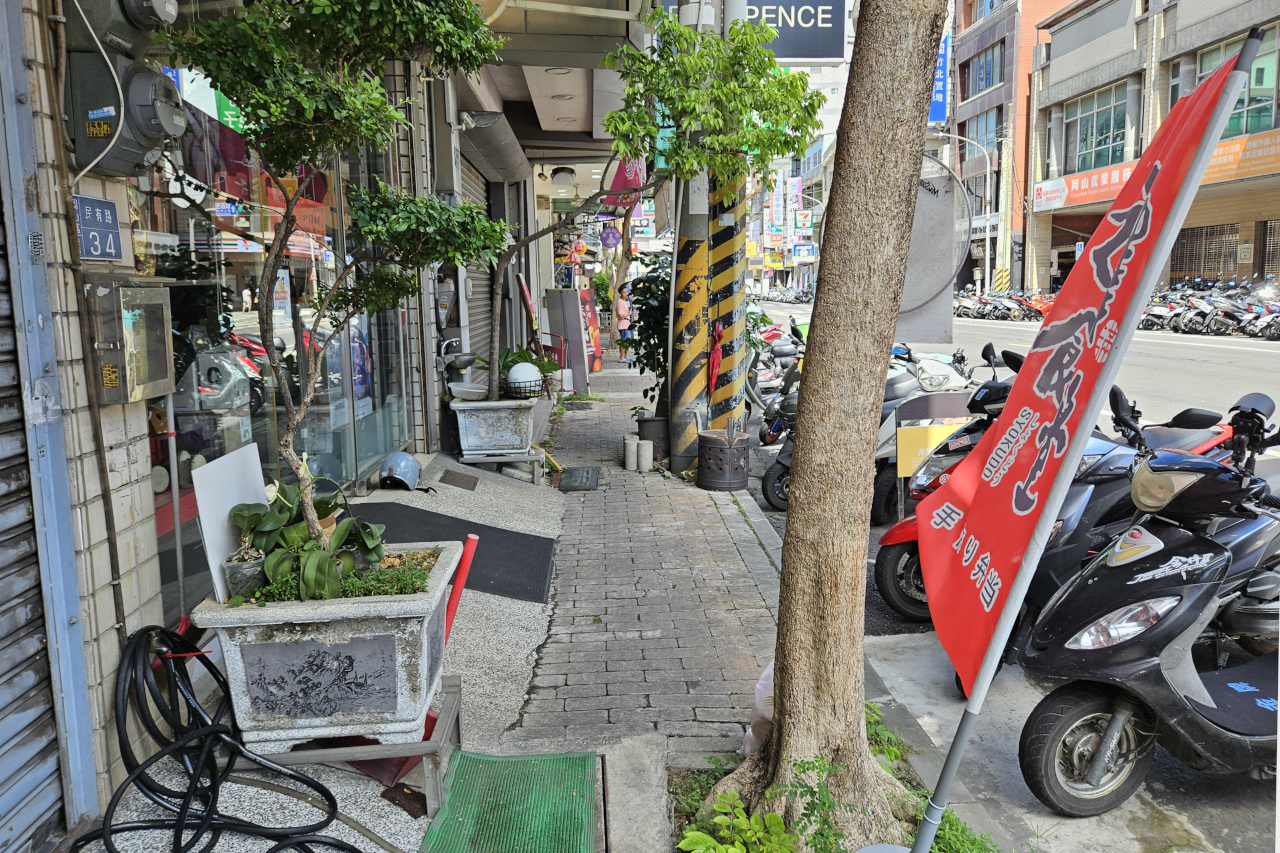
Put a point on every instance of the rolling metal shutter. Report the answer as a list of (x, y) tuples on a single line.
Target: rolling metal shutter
[(1208, 252), (475, 189), (30, 782)]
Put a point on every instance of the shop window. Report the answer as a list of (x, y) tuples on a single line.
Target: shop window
[(984, 131), (1175, 82), (1255, 109), (1095, 129), (982, 8), (985, 71), (977, 189), (1208, 252)]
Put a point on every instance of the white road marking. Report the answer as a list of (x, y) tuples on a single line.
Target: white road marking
[(1151, 337)]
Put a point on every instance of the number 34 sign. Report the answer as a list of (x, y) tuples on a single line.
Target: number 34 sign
[(99, 229)]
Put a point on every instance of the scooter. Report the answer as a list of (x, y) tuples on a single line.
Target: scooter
[(1200, 566), (1095, 510)]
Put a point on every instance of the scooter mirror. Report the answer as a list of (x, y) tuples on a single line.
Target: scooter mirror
[(1119, 403), (989, 354), (1195, 419), (1012, 360)]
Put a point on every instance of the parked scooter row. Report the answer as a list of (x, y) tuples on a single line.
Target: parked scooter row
[(1158, 599), (1002, 306), (1216, 308)]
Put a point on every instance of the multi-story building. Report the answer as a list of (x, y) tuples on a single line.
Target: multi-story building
[(1107, 73), (991, 55)]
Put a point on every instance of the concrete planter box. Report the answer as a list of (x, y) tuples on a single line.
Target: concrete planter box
[(300, 670), (500, 428)]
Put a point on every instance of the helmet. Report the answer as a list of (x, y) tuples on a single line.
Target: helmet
[(399, 471)]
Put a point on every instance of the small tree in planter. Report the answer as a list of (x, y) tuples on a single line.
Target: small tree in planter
[(732, 108), (306, 77)]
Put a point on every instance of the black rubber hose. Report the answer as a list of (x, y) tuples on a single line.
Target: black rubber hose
[(197, 740)]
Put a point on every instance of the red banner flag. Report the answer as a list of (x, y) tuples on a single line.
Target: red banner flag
[(982, 533)]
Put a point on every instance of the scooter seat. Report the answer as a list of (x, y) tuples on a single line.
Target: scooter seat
[(784, 350), (1172, 438), (1245, 696)]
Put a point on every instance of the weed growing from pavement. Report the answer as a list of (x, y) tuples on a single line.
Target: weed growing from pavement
[(596, 620), (882, 739), (689, 790), (817, 816)]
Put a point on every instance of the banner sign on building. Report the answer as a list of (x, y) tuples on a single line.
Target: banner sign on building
[(941, 100), (983, 531), (1233, 159), (804, 253)]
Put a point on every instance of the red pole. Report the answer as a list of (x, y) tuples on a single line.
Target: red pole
[(459, 581)]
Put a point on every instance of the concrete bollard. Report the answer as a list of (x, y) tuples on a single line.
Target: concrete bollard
[(629, 451), (644, 456)]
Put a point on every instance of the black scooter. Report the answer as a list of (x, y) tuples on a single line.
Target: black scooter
[(1200, 567)]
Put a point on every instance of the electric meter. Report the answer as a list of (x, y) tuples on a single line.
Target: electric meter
[(123, 26), (152, 112)]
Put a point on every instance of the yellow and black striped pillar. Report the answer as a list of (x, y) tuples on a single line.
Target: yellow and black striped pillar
[(726, 300), (690, 348)]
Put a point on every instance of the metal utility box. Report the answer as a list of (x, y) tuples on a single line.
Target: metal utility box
[(152, 113), (124, 26), (133, 338)]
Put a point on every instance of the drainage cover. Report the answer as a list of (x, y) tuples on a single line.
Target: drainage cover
[(460, 480), (579, 479)]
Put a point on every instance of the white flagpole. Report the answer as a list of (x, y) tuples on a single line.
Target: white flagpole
[(937, 805)]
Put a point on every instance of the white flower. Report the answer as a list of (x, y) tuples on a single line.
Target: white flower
[(272, 491)]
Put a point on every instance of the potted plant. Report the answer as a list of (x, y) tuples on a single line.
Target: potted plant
[(345, 638), (261, 525), (504, 427)]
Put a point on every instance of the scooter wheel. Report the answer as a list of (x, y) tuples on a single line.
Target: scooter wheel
[(900, 582), (768, 436), (1058, 743), (1273, 332), (884, 500), (776, 486)]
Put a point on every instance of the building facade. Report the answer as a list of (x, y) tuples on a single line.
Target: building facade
[(991, 56), (1107, 73), (99, 528)]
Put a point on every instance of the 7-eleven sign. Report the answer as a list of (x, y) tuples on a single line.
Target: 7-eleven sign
[(804, 222)]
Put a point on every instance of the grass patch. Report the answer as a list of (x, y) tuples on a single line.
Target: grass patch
[(882, 739), (689, 790), (954, 835), (398, 574), (577, 397)]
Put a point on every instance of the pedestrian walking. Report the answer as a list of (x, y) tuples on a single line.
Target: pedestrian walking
[(246, 299), (622, 310)]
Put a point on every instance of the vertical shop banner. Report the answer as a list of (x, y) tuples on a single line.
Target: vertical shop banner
[(280, 296), (591, 327), (941, 100), (982, 532)]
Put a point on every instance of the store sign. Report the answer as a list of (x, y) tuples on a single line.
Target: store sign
[(804, 221), (280, 294), (99, 229), (940, 100), (1233, 159), (809, 32), (804, 253), (773, 260)]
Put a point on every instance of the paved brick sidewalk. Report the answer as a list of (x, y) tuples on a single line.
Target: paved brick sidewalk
[(657, 622)]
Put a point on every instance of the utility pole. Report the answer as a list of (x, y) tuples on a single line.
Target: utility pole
[(689, 321)]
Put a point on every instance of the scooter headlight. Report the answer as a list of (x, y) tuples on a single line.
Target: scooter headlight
[(932, 468), (1087, 462), (1151, 490), (1123, 624)]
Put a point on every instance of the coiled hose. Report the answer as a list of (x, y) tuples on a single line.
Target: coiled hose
[(198, 740)]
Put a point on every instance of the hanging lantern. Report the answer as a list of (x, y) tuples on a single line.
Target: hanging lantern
[(580, 246)]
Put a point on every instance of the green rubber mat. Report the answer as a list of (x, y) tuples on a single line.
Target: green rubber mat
[(516, 804)]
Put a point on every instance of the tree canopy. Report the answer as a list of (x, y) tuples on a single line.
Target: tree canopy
[(705, 102)]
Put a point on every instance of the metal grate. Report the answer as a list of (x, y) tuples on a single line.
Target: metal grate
[(530, 803), (1207, 252), (460, 481), (1271, 249)]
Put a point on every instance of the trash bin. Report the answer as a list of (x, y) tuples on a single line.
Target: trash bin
[(722, 468)]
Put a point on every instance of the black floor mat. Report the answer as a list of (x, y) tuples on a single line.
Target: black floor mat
[(513, 565), (1245, 696)]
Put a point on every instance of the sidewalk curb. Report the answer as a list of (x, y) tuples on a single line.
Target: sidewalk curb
[(926, 759), (762, 557)]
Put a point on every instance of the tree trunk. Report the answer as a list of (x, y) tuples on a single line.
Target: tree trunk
[(818, 674)]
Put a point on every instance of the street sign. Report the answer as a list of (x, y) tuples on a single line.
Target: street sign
[(941, 101), (1079, 248), (99, 229), (810, 32), (804, 253)]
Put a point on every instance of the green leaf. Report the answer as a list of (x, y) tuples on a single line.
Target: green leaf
[(295, 535), (278, 564), (235, 601), (340, 533)]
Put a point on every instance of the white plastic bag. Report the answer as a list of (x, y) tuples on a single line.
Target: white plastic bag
[(761, 713)]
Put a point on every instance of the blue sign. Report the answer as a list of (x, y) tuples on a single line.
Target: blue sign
[(810, 32), (173, 74), (804, 252), (941, 101), (99, 229)]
